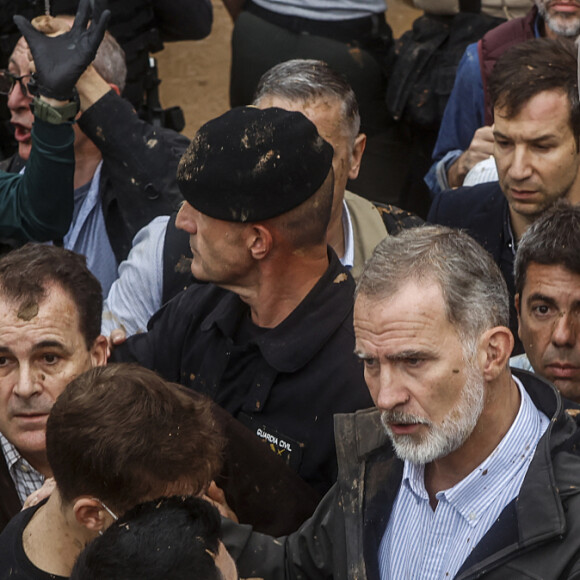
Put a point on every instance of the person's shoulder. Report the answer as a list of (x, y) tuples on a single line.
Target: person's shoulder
[(463, 203), (198, 299), (11, 548), (397, 219)]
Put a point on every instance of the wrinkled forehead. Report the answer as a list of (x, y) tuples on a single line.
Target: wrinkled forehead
[(19, 61)]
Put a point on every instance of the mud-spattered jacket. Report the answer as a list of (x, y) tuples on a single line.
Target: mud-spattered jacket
[(536, 536)]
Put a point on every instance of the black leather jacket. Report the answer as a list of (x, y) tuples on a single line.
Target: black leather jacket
[(536, 536)]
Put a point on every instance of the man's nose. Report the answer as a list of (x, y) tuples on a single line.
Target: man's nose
[(520, 167), (564, 333), (186, 219), (28, 382), (392, 390), (18, 99)]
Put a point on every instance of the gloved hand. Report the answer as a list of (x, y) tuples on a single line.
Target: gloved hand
[(60, 60)]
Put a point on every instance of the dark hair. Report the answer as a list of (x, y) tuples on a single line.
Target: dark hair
[(123, 435), (169, 538), (26, 274), (306, 225), (474, 290), (553, 239), (307, 80), (534, 66)]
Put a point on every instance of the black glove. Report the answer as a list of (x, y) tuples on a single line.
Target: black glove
[(60, 60)]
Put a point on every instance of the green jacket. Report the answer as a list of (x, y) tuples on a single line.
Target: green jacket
[(38, 205)]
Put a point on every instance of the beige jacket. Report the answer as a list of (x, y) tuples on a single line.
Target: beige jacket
[(368, 229)]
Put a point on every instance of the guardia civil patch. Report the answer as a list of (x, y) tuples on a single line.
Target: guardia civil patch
[(288, 449)]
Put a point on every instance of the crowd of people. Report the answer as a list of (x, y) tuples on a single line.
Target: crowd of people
[(221, 359)]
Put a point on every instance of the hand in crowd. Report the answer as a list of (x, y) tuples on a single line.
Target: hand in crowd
[(117, 337), (480, 148), (60, 60), (40, 494), (217, 497)]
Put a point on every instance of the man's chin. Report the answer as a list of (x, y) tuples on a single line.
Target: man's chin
[(563, 24), (24, 149), (568, 389)]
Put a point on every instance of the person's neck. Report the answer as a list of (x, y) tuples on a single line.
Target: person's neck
[(335, 235), (501, 407), (282, 284), (40, 462), (87, 159), (50, 541), (520, 223)]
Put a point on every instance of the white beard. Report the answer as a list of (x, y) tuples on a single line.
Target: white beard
[(444, 438), (562, 24)]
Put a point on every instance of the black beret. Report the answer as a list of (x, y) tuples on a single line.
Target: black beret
[(253, 164)]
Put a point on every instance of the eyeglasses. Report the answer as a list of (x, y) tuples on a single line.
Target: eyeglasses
[(8, 80), (109, 511)]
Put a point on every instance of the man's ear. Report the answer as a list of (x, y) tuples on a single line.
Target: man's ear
[(90, 513), (496, 347), (260, 241), (99, 351), (356, 157)]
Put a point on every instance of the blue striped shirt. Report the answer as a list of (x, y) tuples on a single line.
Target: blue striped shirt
[(420, 542)]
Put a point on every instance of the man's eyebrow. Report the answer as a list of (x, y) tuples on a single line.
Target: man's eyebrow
[(13, 62), (407, 354), (539, 296), (497, 133), (539, 139), (403, 355), (49, 344), (362, 355)]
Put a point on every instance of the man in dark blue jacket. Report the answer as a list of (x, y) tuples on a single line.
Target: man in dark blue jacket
[(537, 125)]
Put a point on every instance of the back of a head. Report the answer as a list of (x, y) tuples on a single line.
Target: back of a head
[(531, 67), (475, 293), (552, 240), (173, 538), (307, 81), (122, 434), (25, 274), (277, 166)]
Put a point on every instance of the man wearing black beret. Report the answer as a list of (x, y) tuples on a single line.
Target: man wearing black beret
[(270, 338)]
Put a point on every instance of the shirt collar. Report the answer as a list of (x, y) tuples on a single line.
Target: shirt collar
[(13, 457), (348, 259), (473, 494), (318, 316), (508, 233)]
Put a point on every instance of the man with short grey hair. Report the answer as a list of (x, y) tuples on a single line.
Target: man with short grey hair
[(158, 263), (462, 467)]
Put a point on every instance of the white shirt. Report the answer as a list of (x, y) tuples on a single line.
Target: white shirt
[(420, 542), (325, 9)]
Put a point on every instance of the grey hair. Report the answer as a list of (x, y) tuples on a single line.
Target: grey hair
[(474, 290), (110, 62), (305, 80), (553, 239)]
